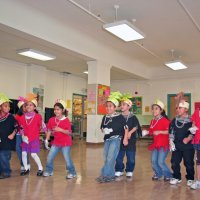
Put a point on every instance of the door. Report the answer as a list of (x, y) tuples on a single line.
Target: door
[(171, 104), (79, 115)]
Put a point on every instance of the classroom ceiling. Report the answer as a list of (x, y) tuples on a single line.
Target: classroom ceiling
[(172, 24)]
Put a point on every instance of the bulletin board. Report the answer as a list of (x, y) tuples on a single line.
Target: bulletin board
[(137, 105), (102, 95)]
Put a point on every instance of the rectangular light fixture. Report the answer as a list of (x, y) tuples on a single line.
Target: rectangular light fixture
[(36, 54), (176, 65), (85, 72), (124, 30)]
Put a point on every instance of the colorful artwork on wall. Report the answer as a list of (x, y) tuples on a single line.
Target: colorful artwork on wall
[(137, 105), (103, 93)]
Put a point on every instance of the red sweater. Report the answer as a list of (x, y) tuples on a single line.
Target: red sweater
[(31, 127), (60, 139), (161, 140), (196, 119)]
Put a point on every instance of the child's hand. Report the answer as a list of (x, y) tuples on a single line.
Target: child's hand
[(129, 135), (57, 129), (186, 140), (11, 136), (125, 142)]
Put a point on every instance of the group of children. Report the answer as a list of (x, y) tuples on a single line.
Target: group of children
[(181, 136), (23, 134)]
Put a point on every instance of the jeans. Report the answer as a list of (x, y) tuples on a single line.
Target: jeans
[(19, 149), (5, 156), (159, 166), (188, 160), (130, 163), (111, 150), (66, 153)]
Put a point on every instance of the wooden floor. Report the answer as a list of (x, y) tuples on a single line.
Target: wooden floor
[(88, 161)]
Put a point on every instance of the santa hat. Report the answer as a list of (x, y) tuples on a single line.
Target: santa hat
[(3, 99), (30, 97), (62, 102)]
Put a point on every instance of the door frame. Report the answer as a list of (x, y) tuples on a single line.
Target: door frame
[(173, 95)]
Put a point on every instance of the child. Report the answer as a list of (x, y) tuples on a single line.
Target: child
[(60, 126), (21, 111), (180, 144), (159, 128), (195, 131), (133, 127), (113, 127), (31, 124), (8, 127)]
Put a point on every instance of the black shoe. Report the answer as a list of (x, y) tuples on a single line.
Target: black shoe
[(25, 172), (40, 173), (3, 176)]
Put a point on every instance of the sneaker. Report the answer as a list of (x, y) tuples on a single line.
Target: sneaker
[(155, 178), (99, 179), (107, 179), (25, 172), (129, 174), (46, 174), (189, 182), (174, 181), (29, 167), (70, 176), (22, 168), (118, 174), (166, 179), (40, 173), (3, 176), (195, 185)]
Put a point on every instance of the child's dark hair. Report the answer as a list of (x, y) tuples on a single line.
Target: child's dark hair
[(163, 113), (65, 112), (20, 111)]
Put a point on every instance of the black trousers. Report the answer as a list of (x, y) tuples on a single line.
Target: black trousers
[(188, 160)]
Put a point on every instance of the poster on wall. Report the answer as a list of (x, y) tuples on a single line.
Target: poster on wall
[(40, 98), (137, 105), (103, 93), (91, 99)]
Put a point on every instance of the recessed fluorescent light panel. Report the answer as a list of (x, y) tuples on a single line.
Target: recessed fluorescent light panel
[(176, 65), (36, 54), (124, 30)]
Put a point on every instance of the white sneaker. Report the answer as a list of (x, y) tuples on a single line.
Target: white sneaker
[(174, 181), (29, 166), (189, 182), (70, 176), (129, 174), (118, 174), (22, 168), (195, 185), (46, 174)]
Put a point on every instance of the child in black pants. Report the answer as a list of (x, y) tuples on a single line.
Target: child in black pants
[(180, 145)]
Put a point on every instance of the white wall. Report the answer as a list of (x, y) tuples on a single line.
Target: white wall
[(17, 79), (151, 90)]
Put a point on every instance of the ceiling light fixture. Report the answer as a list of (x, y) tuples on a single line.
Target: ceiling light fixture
[(175, 64), (36, 54), (85, 72), (123, 29)]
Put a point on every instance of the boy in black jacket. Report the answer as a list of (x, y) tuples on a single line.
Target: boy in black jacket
[(180, 145)]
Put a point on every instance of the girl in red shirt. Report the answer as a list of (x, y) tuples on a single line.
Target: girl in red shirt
[(60, 127), (31, 123), (159, 129)]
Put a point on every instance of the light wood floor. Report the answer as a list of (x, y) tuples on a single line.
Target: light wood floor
[(88, 161)]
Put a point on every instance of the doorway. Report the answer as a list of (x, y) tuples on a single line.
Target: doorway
[(171, 104), (79, 115)]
